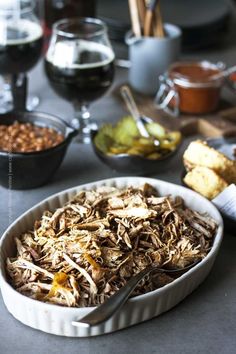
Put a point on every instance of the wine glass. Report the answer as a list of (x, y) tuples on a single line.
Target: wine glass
[(21, 38), (80, 67)]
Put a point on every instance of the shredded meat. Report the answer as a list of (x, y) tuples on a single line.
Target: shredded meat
[(83, 252)]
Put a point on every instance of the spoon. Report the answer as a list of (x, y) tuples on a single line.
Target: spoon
[(105, 311), (132, 107), (223, 73)]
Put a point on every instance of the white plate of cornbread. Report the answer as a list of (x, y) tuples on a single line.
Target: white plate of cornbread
[(210, 167)]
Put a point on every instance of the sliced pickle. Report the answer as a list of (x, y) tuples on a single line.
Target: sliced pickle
[(171, 140), (124, 138), (156, 130), (134, 151), (154, 156), (104, 138), (125, 130), (115, 150), (144, 145)]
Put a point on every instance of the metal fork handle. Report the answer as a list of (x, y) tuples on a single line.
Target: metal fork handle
[(105, 311)]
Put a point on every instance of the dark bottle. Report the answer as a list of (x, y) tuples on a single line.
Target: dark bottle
[(55, 10)]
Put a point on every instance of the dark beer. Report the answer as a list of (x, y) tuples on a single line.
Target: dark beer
[(20, 47), (84, 79)]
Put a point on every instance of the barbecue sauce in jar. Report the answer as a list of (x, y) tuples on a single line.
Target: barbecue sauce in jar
[(197, 87)]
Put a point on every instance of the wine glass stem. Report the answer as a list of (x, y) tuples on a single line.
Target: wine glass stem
[(82, 121), (19, 85)]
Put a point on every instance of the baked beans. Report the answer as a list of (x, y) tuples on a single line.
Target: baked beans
[(28, 137)]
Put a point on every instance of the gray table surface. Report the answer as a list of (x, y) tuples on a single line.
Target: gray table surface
[(205, 322)]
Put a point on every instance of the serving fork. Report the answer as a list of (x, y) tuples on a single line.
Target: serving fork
[(111, 306)]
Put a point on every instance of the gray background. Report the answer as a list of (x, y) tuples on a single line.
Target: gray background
[(205, 322)]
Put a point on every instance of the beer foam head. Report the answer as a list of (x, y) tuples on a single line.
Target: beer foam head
[(21, 32), (67, 54)]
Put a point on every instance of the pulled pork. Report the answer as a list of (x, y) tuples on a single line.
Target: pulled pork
[(83, 252)]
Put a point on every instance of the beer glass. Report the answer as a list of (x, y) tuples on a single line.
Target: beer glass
[(80, 67), (21, 38)]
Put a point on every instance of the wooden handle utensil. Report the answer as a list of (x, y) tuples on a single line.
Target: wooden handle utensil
[(142, 11), (149, 17), (136, 28), (158, 27)]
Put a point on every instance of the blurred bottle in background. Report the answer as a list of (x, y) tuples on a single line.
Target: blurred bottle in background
[(55, 10)]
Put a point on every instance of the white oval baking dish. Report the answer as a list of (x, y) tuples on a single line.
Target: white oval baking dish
[(57, 319)]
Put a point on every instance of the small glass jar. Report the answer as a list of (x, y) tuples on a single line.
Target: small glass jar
[(190, 87)]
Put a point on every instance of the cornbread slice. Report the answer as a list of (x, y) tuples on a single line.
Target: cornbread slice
[(199, 153), (205, 181)]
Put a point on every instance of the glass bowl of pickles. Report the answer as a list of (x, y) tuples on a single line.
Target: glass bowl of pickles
[(124, 149)]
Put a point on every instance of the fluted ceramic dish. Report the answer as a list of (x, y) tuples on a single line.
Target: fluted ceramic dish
[(57, 319)]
